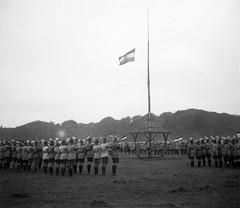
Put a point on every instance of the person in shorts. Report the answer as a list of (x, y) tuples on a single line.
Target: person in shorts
[(89, 154), (81, 155), (96, 156), (71, 156), (63, 157), (191, 151), (57, 157), (104, 155), (115, 149)]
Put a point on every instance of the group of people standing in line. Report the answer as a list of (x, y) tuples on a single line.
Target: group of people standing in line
[(223, 151), (59, 156)]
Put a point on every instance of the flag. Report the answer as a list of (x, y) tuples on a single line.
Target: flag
[(128, 57), (177, 139), (123, 138)]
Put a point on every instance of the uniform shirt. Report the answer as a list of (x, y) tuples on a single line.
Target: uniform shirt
[(198, 150), (1, 152), (226, 150), (96, 151), (72, 152), (7, 151), (89, 150), (19, 152), (191, 150), (63, 152), (115, 147), (51, 152), (45, 152), (214, 149), (104, 150), (24, 153), (36, 151), (30, 152), (81, 151), (57, 153), (14, 152)]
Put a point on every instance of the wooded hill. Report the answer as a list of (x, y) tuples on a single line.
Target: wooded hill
[(187, 123)]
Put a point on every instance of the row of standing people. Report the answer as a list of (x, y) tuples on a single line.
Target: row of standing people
[(222, 151), (59, 155)]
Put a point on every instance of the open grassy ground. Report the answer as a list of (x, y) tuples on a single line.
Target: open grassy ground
[(168, 182)]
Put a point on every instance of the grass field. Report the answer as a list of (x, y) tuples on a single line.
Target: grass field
[(167, 182)]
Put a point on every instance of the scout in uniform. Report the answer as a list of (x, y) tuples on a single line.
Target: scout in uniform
[(220, 152), (209, 151), (45, 150), (115, 148), (63, 157), (191, 151), (96, 155), (226, 153), (81, 155), (204, 152), (104, 155), (14, 155), (1, 154), (214, 149), (30, 155), (36, 150), (233, 151), (19, 155), (57, 157), (198, 148), (51, 156), (71, 156), (24, 156), (89, 154)]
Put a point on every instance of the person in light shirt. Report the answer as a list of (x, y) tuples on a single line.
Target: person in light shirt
[(57, 157), (71, 156), (45, 156), (63, 157), (104, 155), (96, 155), (81, 155), (89, 154)]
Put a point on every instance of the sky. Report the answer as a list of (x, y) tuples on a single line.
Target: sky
[(59, 58)]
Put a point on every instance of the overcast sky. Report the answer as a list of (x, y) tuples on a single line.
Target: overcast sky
[(59, 58)]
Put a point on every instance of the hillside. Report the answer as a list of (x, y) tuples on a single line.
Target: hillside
[(186, 123)]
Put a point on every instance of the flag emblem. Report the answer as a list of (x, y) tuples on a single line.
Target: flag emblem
[(128, 57)]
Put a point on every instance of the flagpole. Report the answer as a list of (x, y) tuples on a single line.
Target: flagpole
[(148, 78)]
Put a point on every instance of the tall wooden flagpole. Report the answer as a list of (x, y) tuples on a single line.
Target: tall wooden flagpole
[(148, 78), (149, 97)]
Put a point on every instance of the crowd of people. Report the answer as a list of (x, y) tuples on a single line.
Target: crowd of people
[(220, 150), (57, 157)]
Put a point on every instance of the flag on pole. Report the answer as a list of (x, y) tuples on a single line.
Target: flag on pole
[(123, 138), (128, 57)]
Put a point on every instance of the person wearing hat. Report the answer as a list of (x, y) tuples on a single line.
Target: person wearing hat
[(24, 156), (36, 150), (71, 156), (214, 149), (45, 150), (51, 156), (191, 152), (96, 155), (208, 146), (233, 151), (204, 151), (63, 157), (6, 155), (226, 152), (13, 154), (89, 154), (57, 157), (19, 155), (81, 152), (198, 147), (30, 155), (220, 152), (104, 155), (115, 150), (1, 154), (238, 151)]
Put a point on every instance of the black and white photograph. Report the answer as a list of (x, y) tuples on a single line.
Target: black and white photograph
[(119, 103)]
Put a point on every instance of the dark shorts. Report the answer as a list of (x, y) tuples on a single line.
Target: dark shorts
[(14, 159), (57, 161), (51, 161), (81, 160), (90, 159), (45, 161), (24, 161), (198, 157), (30, 160), (6, 159), (19, 161), (64, 162), (105, 160), (97, 160), (115, 160)]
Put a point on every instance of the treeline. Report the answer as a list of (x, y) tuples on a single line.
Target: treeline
[(186, 123)]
